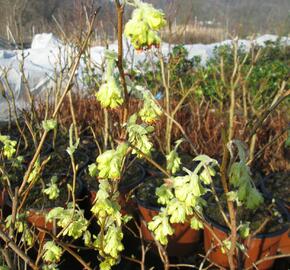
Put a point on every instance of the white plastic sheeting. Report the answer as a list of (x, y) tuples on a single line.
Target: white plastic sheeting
[(47, 57)]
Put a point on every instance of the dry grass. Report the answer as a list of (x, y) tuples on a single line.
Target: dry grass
[(193, 33), (202, 124)]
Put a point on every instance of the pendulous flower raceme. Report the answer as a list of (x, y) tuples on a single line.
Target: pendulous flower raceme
[(110, 94), (9, 146), (138, 136), (110, 162), (182, 200), (173, 161), (151, 111), (52, 190), (142, 29), (107, 211)]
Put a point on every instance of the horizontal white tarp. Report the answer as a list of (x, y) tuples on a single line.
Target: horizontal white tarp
[(48, 57)]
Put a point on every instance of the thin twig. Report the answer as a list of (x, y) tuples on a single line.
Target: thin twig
[(67, 89), (17, 250)]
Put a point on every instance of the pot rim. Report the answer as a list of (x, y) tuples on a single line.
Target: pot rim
[(146, 205)]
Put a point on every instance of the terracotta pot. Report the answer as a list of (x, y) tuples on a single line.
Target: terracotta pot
[(182, 243), (37, 219), (93, 195), (258, 247), (284, 245)]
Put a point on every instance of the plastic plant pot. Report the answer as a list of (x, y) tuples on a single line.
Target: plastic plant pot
[(260, 246), (182, 243)]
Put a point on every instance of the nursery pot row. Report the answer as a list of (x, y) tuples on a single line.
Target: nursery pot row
[(185, 239)]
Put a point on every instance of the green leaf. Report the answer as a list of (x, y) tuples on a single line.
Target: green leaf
[(51, 266), (54, 213), (206, 174), (226, 246), (36, 172), (52, 252), (244, 230), (243, 191), (110, 94), (52, 189), (173, 162), (138, 137), (105, 266), (151, 110), (142, 28), (49, 125), (155, 18), (164, 194), (254, 199), (110, 162), (113, 241), (161, 228), (196, 224), (9, 146), (206, 160), (232, 196), (93, 170), (87, 238), (177, 210)]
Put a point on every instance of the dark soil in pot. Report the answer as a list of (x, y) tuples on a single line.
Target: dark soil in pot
[(59, 164), (277, 185), (133, 176), (256, 217), (26, 152), (38, 200), (88, 144), (60, 161), (265, 243), (185, 239), (160, 159)]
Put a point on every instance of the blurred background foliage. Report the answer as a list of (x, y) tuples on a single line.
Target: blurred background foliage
[(189, 21)]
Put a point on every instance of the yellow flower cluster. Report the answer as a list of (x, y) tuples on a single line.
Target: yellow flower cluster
[(142, 29)]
